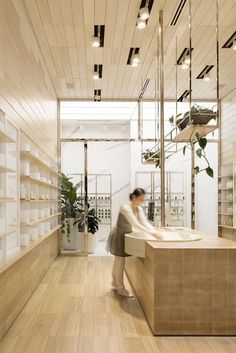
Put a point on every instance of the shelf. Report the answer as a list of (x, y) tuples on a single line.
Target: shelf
[(225, 188), (31, 157), (7, 199), (225, 176), (19, 253), (225, 214), (44, 200), (6, 170), (189, 133), (13, 230), (6, 138), (40, 220), (219, 201), (221, 225), (150, 161), (37, 181)]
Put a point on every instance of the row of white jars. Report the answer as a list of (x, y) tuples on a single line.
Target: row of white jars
[(36, 231), (45, 177), (27, 147), (35, 214), (8, 161)]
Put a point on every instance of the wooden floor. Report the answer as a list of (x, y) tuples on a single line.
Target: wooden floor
[(74, 310)]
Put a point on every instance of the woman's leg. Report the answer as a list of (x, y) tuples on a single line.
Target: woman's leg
[(118, 271)]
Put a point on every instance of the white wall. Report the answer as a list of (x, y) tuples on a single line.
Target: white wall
[(207, 194)]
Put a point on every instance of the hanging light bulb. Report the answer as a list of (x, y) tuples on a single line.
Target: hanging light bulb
[(187, 59), (141, 24), (144, 13), (135, 58), (96, 42), (234, 45), (95, 75), (184, 66), (206, 77), (134, 64)]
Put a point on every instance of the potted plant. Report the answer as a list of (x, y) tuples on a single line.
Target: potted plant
[(93, 222), (152, 157), (199, 116), (70, 208)]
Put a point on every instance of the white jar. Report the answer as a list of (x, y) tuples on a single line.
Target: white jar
[(34, 233), (25, 216), (24, 239)]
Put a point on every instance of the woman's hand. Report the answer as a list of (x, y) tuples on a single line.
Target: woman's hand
[(158, 235)]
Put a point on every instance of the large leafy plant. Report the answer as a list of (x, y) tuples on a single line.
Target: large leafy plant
[(93, 221), (71, 203)]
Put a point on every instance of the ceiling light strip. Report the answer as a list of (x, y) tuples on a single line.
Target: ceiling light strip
[(178, 12)]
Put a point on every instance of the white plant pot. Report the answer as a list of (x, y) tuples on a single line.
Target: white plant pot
[(74, 242), (92, 241)]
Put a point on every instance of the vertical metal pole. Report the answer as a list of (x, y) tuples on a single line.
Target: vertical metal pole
[(176, 80), (218, 108), (110, 201), (139, 120), (85, 197), (59, 162), (190, 105), (217, 61), (162, 149)]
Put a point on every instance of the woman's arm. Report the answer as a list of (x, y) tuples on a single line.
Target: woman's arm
[(127, 211)]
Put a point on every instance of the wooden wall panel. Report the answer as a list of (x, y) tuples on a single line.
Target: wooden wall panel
[(20, 280), (26, 92), (228, 144)]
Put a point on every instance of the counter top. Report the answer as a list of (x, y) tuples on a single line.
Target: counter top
[(206, 241), (174, 238)]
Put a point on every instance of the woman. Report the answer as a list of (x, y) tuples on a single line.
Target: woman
[(131, 218)]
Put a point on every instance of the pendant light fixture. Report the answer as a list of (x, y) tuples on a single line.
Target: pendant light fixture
[(234, 45), (206, 77), (184, 66), (95, 75), (144, 13), (96, 42), (141, 24), (187, 59), (135, 60)]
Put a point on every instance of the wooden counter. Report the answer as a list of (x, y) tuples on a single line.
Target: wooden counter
[(187, 288)]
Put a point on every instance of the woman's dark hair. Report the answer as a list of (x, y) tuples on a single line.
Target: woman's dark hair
[(137, 192)]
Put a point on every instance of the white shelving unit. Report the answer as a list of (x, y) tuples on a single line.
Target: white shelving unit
[(9, 188), (175, 199), (226, 200), (39, 189)]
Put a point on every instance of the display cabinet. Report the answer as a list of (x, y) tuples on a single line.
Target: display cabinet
[(39, 189), (175, 199), (9, 188), (226, 201)]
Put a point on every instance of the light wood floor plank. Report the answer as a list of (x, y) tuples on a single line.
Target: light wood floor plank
[(74, 310)]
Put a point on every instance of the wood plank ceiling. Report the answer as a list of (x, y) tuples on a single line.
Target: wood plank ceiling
[(64, 30)]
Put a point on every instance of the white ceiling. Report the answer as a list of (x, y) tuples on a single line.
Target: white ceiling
[(64, 30)]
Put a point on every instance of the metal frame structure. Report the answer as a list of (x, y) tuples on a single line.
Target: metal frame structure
[(162, 139)]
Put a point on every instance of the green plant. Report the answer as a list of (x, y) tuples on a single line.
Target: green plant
[(93, 221), (152, 156), (70, 203), (173, 119)]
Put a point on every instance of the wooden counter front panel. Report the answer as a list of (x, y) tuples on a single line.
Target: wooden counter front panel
[(141, 274), (19, 281)]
